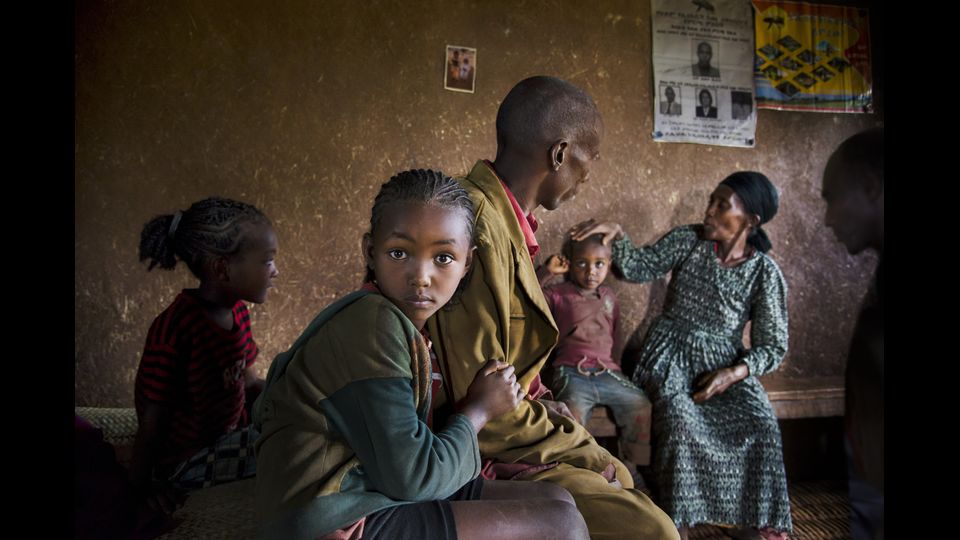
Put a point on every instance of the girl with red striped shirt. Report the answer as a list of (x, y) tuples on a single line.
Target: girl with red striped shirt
[(196, 378)]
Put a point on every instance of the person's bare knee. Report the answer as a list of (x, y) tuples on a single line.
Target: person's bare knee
[(524, 490), (555, 492), (562, 520), (518, 519)]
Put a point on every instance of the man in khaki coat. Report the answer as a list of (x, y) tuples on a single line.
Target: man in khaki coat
[(548, 138)]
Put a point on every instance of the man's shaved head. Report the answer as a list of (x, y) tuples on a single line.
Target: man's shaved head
[(861, 158), (541, 110), (853, 191)]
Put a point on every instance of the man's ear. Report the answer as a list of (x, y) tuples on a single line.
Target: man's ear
[(558, 154)]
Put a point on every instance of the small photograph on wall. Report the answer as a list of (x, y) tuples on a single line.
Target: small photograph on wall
[(460, 71)]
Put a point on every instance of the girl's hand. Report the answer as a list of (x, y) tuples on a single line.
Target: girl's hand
[(494, 391), (717, 382), (611, 231)]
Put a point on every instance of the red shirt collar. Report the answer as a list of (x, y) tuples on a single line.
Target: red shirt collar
[(528, 223)]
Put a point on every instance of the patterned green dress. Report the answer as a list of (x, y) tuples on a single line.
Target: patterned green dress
[(720, 461)]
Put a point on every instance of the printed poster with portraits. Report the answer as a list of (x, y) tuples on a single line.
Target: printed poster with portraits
[(813, 57), (703, 65)]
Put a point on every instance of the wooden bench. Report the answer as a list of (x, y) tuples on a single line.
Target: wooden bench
[(810, 397)]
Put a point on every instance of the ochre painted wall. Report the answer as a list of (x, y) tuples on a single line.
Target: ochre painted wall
[(305, 108)]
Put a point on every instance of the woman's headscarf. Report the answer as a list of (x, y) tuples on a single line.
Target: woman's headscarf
[(760, 197)]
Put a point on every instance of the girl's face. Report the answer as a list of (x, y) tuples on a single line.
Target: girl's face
[(252, 271), (725, 218), (419, 253)]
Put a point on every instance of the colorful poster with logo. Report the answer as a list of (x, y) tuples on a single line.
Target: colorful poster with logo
[(703, 72), (812, 57)]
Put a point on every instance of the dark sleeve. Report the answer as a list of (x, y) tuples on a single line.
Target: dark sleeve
[(401, 457), (647, 263), (768, 327)]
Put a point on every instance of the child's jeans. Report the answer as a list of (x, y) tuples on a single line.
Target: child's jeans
[(583, 389)]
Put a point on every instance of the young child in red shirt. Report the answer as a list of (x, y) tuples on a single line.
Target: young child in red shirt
[(586, 372)]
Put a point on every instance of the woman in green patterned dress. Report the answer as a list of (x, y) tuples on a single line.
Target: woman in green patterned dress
[(717, 450)]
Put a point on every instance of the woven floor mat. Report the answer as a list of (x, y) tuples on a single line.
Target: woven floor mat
[(820, 511)]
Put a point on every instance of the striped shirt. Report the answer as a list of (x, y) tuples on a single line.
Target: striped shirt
[(195, 367)]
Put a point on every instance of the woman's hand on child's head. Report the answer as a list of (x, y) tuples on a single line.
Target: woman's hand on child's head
[(611, 231), (557, 264), (494, 391)]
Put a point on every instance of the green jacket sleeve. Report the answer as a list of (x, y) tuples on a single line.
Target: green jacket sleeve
[(399, 454)]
